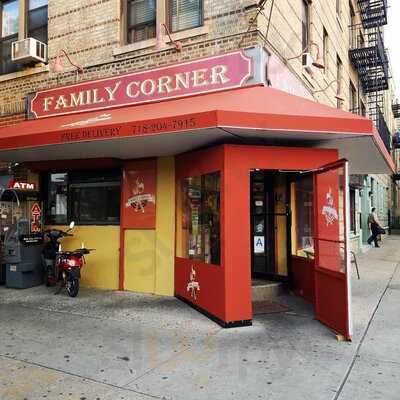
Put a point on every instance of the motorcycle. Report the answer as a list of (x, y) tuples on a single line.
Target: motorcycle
[(62, 266)]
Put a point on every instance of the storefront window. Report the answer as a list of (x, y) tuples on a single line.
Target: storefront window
[(85, 197), (57, 198), (106, 198), (303, 223), (201, 218)]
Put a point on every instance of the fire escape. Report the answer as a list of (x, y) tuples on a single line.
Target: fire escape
[(369, 58)]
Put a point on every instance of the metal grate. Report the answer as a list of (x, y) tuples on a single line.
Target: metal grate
[(373, 13)]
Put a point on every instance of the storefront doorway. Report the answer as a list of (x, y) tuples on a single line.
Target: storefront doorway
[(270, 225)]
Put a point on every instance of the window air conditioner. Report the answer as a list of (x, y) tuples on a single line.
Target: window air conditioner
[(307, 62), (29, 50)]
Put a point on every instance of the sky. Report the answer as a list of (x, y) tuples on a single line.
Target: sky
[(392, 38)]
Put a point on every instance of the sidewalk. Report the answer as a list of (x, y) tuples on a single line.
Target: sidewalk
[(109, 345)]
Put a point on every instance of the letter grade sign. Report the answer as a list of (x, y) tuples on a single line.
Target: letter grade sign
[(200, 76)]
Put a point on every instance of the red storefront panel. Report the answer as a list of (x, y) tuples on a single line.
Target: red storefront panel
[(332, 292), (139, 194)]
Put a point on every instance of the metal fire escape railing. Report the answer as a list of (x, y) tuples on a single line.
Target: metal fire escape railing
[(396, 110), (368, 56), (384, 131), (373, 13)]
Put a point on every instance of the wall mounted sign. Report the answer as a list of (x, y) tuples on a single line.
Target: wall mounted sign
[(21, 185), (204, 75), (139, 195), (36, 217)]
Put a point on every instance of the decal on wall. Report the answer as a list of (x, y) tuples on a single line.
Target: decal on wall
[(139, 194), (329, 210), (139, 200), (193, 286)]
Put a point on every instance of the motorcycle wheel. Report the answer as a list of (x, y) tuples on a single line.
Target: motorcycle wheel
[(72, 286)]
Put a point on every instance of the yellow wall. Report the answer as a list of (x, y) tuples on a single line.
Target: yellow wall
[(149, 254), (165, 226), (281, 225), (140, 258), (101, 270)]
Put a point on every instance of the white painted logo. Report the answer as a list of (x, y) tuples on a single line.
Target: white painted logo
[(100, 118), (193, 286), (140, 199), (329, 210)]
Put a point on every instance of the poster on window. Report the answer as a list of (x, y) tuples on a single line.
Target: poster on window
[(139, 194)]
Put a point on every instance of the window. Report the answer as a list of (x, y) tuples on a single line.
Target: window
[(35, 12), (201, 218), (9, 23), (185, 14), (338, 8), (37, 20), (145, 17), (339, 77), (352, 210), (93, 203), (303, 226), (86, 197), (305, 23), (56, 209), (326, 50), (353, 101), (141, 20)]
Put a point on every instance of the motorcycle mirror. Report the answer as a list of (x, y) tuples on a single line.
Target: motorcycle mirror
[(71, 225)]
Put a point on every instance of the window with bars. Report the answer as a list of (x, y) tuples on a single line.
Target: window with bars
[(141, 21), (185, 14)]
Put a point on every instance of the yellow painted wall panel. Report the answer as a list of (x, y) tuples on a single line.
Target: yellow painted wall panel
[(140, 260), (165, 227), (101, 270), (281, 226)]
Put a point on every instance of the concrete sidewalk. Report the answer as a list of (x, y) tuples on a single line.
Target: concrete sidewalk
[(110, 345)]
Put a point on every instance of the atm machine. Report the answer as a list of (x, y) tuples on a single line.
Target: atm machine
[(21, 224)]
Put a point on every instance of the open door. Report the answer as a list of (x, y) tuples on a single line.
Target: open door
[(332, 253)]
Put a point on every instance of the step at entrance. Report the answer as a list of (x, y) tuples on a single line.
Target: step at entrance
[(263, 290)]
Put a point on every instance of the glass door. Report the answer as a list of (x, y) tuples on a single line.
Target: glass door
[(262, 224), (332, 261)]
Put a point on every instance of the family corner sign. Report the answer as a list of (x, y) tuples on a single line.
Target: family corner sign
[(210, 74)]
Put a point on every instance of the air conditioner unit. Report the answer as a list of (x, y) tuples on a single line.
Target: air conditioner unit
[(29, 50), (307, 62)]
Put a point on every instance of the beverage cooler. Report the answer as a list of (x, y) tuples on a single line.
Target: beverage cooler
[(22, 238)]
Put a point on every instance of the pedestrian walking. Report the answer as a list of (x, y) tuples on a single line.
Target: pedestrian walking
[(375, 227)]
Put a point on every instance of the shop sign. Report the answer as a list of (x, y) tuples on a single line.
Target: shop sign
[(200, 76), (36, 213), (21, 185)]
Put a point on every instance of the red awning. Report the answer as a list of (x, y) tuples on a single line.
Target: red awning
[(256, 114)]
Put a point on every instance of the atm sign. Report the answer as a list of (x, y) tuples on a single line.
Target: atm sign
[(21, 185)]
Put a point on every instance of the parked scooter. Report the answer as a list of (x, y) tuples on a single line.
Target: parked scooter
[(63, 266)]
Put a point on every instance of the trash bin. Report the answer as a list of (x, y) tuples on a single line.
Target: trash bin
[(23, 256)]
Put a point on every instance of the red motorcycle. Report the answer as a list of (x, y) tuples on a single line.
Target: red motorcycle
[(63, 266)]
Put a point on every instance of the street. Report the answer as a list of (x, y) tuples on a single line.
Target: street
[(120, 345)]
